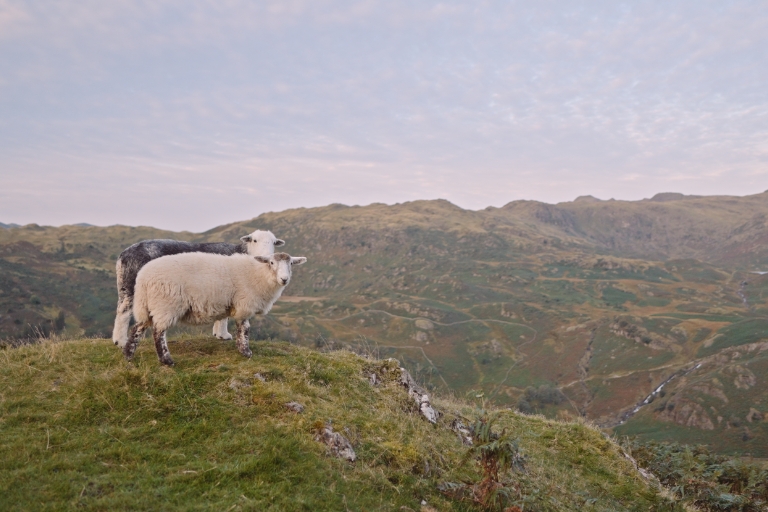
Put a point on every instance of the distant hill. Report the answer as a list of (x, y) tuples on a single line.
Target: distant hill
[(8, 226), (581, 308)]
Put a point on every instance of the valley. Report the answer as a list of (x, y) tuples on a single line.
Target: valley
[(576, 309)]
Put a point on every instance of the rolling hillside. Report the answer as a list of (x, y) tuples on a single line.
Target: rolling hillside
[(575, 309)]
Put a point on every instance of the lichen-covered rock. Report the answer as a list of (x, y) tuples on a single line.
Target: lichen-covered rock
[(419, 395), (461, 429), (338, 445), (295, 407)]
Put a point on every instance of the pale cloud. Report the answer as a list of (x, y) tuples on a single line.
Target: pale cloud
[(181, 106)]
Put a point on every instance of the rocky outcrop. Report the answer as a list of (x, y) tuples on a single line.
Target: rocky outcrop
[(743, 377), (712, 388), (754, 415), (419, 395), (390, 370), (687, 413), (626, 329)]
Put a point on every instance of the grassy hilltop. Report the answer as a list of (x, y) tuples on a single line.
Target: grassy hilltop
[(579, 309), (83, 429)]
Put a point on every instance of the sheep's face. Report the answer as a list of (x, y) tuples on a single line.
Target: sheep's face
[(281, 265), (262, 243)]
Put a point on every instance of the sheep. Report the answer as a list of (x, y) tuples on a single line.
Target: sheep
[(199, 288), (132, 259)]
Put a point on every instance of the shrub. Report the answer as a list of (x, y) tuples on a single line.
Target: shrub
[(496, 454), (708, 481)]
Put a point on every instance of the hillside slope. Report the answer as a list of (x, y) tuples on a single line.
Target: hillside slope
[(83, 429), (575, 309)]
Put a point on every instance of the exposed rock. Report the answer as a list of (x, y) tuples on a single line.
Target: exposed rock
[(238, 384), (647, 475), (416, 310), (260, 377), (390, 370), (426, 409), (687, 413), (634, 332), (711, 389), (338, 445), (419, 395), (295, 407), (461, 429), (754, 415), (507, 313), (745, 379)]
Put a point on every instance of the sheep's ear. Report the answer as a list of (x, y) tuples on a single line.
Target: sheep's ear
[(279, 242), (262, 259), (298, 261), (246, 238)]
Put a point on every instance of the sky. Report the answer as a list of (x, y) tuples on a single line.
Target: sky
[(188, 114)]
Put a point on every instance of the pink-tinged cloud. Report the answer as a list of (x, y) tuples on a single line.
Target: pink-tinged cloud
[(189, 114)]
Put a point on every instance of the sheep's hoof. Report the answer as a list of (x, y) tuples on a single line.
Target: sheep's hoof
[(247, 353), (225, 337), (167, 361)]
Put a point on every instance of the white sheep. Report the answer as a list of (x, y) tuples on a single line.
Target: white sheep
[(199, 288), (132, 259)]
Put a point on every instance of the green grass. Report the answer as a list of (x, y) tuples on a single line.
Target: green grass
[(83, 429), (615, 297), (741, 333)]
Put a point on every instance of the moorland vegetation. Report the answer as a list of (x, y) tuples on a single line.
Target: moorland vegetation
[(648, 318)]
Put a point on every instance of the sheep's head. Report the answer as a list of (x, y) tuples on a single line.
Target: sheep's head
[(261, 243), (281, 265)]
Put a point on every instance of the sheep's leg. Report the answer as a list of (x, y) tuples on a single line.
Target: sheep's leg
[(220, 329), (161, 345), (122, 319), (133, 340), (243, 330), (223, 323)]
